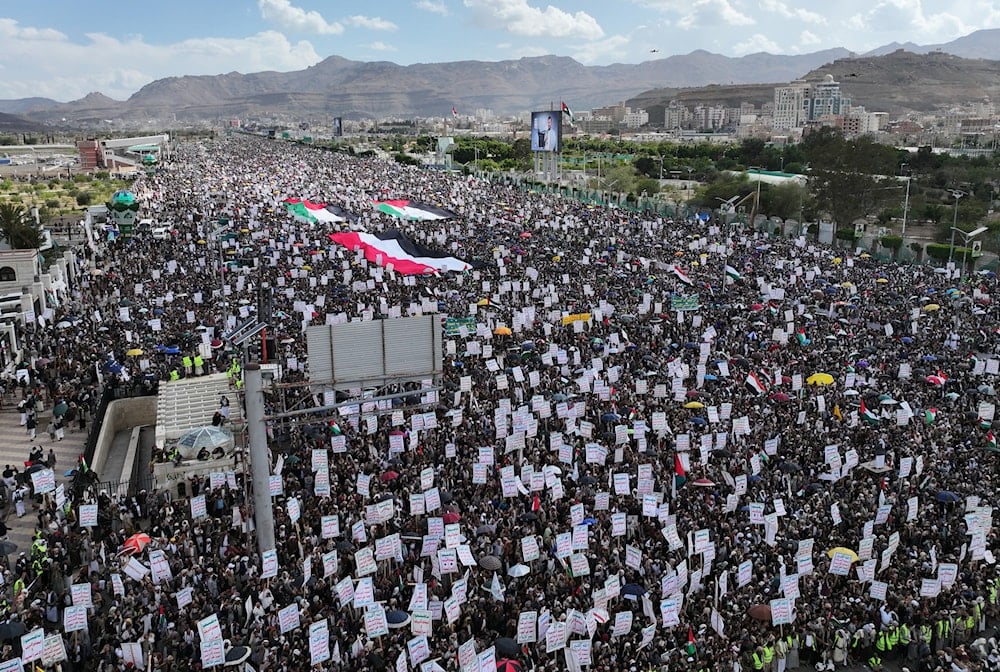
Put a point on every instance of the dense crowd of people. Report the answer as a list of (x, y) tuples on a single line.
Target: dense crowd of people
[(659, 445)]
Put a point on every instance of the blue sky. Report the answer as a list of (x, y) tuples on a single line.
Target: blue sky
[(64, 49)]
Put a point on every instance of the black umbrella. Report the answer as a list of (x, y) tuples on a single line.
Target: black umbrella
[(507, 647), (237, 655), (11, 630), (345, 547), (528, 516), (397, 618), (789, 467), (8, 548)]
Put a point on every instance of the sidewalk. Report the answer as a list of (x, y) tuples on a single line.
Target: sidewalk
[(14, 449)]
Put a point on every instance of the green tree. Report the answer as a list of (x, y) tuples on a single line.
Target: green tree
[(17, 228)]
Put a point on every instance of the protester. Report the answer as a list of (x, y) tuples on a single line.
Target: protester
[(643, 471)]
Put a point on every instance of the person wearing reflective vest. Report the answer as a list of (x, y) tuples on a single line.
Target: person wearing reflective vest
[(199, 365), (792, 658), (882, 643), (187, 363), (769, 657), (175, 375), (942, 631), (875, 662), (758, 659), (780, 654), (893, 637)]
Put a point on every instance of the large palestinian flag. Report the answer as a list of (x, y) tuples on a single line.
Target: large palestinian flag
[(406, 256), (413, 210), (308, 211)]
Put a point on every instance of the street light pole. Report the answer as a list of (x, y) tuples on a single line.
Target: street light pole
[(957, 193), (906, 200)]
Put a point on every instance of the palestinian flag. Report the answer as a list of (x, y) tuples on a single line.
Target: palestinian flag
[(691, 648), (732, 273), (929, 415), (867, 415), (802, 338), (682, 276), (991, 443), (406, 256), (413, 210), (454, 112), (568, 112), (680, 474), (754, 383), (984, 423), (309, 212)]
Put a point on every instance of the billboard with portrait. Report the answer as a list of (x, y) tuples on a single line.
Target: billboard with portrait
[(546, 131), (338, 127)]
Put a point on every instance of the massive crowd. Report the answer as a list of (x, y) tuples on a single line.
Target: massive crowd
[(657, 481)]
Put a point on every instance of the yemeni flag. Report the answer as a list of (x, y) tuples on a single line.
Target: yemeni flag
[(691, 648), (867, 415), (406, 256), (732, 273), (413, 210), (682, 276), (929, 415), (754, 383), (680, 474), (567, 112), (991, 443)]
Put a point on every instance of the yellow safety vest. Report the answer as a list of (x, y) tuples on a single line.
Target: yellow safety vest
[(758, 664), (768, 655), (186, 361), (174, 375), (198, 361)]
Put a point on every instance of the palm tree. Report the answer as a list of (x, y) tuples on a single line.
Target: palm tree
[(17, 228)]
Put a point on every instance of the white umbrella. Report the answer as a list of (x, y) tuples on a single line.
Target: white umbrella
[(518, 570)]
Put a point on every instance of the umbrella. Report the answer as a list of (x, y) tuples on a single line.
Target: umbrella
[(397, 619), (11, 630), (987, 390), (789, 467), (134, 544), (633, 591), (760, 612), (873, 467), (698, 420), (610, 417), (490, 563), (518, 570), (528, 516), (486, 530), (844, 551), (237, 655), (931, 307), (506, 664), (502, 331), (451, 518), (820, 379), (702, 483), (694, 404), (780, 396), (345, 546), (60, 409), (935, 379), (133, 352), (507, 647), (7, 548), (947, 497), (390, 476)]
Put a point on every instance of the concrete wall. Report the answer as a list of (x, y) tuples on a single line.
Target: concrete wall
[(122, 414)]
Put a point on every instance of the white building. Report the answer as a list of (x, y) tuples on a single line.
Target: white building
[(635, 118)]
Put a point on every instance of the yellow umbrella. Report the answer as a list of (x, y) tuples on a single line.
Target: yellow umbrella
[(557, 258), (847, 285), (244, 230), (882, 281), (694, 404), (837, 261), (865, 255), (931, 307), (820, 379), (307, 267), (201, 242), (483, 302), (502, 331), (134, 352), (842, 549)]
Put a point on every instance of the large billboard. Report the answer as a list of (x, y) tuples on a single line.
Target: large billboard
[(338, 127), (546, 131), (374, 352)]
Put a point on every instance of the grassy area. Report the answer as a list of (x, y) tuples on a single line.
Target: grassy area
[(61, 195)]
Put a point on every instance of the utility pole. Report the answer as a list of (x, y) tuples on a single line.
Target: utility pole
[(260, 462)]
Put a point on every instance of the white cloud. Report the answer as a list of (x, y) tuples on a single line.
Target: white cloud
[(755, 44), (525, 51), (808, 39), (284, 15), (701, 13), (371, 23), (609, 50), (520, 18), (378, 45), (48, 64), (433, 7), (804, 15)]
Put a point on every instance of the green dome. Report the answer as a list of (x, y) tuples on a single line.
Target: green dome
[(123, 198)]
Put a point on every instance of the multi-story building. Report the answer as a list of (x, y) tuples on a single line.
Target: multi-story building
[(635, 118), (826, 98), (791, 107)]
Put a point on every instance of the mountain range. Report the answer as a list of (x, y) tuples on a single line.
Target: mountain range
[(964, 69)]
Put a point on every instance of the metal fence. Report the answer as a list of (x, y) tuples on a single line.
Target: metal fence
[(127, 487)]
